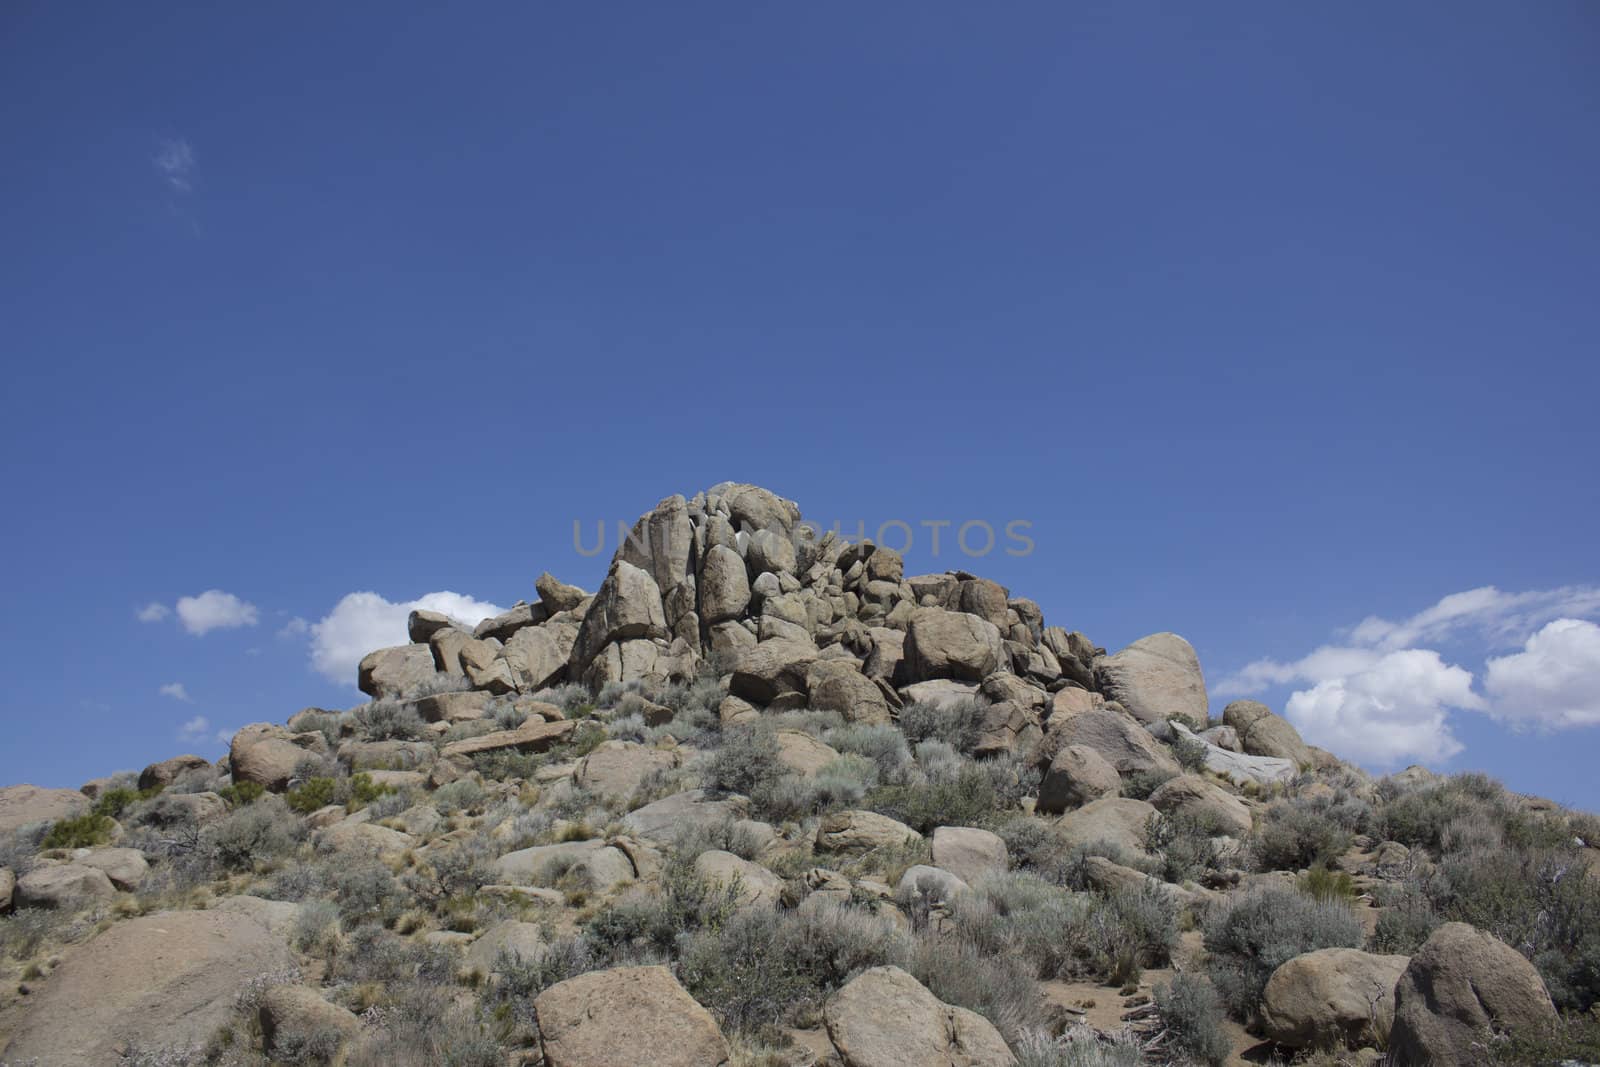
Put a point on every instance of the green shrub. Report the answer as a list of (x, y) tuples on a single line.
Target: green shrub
[(264, 830), (1319, 883), (80, 831), (1192, 1014), (1000, 988), (1293, 835), (312, 795), (1404, 923), (113, 802), (365, 891), (1183, 844), (387, 720), (1249, 936), (957, 723), (1190, 754), (241, 793), (459, 795), (1140, 784), (884, 745), (967, 800), (364, 791), (1571, 1039), (748, 757)]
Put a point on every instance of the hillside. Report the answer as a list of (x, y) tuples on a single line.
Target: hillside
[(763, 799)]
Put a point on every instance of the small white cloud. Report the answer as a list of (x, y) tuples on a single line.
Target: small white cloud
[(176, 691), (362, 622), (215, 610), (195, 729), (154, 612), (174, 160), (295, 627), (1395, 708), (1553, 683), (225, 736)]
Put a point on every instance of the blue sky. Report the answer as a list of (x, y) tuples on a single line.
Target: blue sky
[(1277, 324)]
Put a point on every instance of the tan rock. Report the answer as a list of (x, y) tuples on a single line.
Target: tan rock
[(758, 887), (1119, 821), (1333, 996), (268, 755), (293, 1017), (616, 769), (1156, 678), (1261, 733), (535, 735), (1204, 801), (394, 672), (1078, 775), (839, 685), (522, 941), (126, 867), (861, 831), (885, 1018), (21, 805), (162, 774), (969, 853), (626, 1015), (803, 754), (66, 885), (1125, 744), (951, 644)]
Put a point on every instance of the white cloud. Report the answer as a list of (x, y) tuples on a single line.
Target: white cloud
[(154, 611), (195, 729), (225, 736), (176, 691), (1394, 708), (174, 160), (215, 610), (1553, 683), (295, 627), (362, 622), (1381, 699)]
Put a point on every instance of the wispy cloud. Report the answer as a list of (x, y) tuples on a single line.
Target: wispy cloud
[(196, 729), (176, 691), (1379, 696), (153, 612), (174, 161)]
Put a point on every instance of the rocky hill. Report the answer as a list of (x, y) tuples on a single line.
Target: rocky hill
[(764, 799)]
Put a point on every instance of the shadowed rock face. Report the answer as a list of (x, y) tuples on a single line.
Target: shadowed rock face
[(161, 980)]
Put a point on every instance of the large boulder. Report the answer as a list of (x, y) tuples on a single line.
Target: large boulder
[(537, 656), (1123, 743), (661, 544), (771, 669), (969, 853), (664, 820), (1238, 767), (1462, 983), (63, 885), (752, 508), (951, 644), (557, 596), (535, 735), (1261, 733), (162, 774), (756, 886), (1210, 805), (21, 805), (294, 1018), (626, 1015), (1156, 678), (1333, 996), (268, 755), (885, 1018), (803, 754), (1078, 774), (1117, 821), (724, 585), (839, 685), (394, 672), (596, 865), (616, 769), (862, 831), (627, 607), (163, 980), (509, 939), (126, 867)]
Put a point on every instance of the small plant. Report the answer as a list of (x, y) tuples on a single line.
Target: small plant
[(1293, 836), (312, 795), (80, 831), (1252, 934), (387, 720), (364, 791), (748, 757), (1319, 883), (1192, 1014), (958, 723), (1190, 754), (239, 794)]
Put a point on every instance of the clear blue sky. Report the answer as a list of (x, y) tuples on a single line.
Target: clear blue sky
[(1268, 318)]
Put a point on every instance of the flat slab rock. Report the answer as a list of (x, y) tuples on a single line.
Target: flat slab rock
[(163, 980)]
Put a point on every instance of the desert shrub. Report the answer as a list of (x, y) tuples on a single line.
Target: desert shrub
[(264, 830), (373, 954), (241, 793), (366, 892), (1571, 1039), (1023, 917), (1319, 883), (1190, 754), (1406, 921), (1192, 1014), (1140, 784), (1292, 836), (1000, 988), (842, 783), (648, 927), (80, 831), (315, 927), (421, 1025), (26, 929), (568, 697), (113, 802), (767, 968), (503, 764), (1183, 844), (958, 723), (1420, 816), (884, 745), (747, 758), (435, 684), (522, 979), (362, 791), (459, 795), (388, 720), (1080, 1047), (1250, 935), (967, 799), (312, 794), (1030, 841), (1126, 931)]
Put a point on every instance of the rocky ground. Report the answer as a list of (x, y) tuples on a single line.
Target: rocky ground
[(763, 799)]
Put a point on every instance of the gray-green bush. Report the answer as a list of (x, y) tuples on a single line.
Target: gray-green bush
[(1251, 934)]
